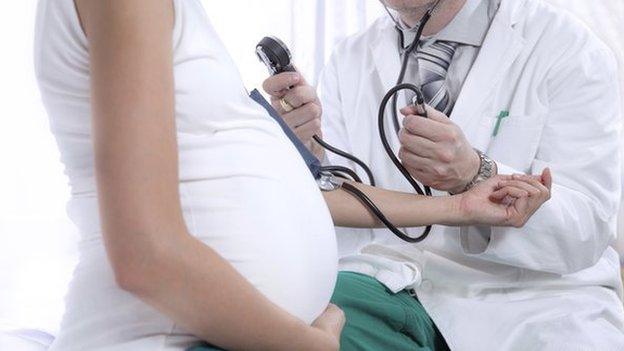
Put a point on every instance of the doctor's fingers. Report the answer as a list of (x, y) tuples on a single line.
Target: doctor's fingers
[(437, 116), (547, 178), (409, 110), (427, 128), (509, 191), (422, 176), (279, 84), (302, 115), (431, 113), (417, 145), (519, 211), (424, 169), (308, 130), (413, 160), (296, 101), (531, 189), (301, 95), (536, 181)]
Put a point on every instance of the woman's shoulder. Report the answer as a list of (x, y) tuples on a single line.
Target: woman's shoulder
[(53, 15), (59, 37)]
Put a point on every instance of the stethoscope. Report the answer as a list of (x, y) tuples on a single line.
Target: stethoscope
[(407, 52), (277, 57)]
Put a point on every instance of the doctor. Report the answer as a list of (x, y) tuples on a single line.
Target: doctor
[(526, 87)]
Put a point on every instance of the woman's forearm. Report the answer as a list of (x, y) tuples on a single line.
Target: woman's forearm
[(192, 284), (402, 209)]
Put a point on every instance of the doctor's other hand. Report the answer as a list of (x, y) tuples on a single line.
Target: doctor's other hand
[(330, 324), (435, 151), (506, 201), (298, 104)]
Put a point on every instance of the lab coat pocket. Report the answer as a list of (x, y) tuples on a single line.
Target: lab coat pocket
[(514, 140)]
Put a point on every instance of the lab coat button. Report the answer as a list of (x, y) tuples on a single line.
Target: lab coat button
[(426, 285)]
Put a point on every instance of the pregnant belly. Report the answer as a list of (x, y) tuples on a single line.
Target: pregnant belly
[(271, 224), (275, 237)]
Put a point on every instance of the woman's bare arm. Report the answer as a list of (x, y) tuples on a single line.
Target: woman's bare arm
[(496, 202), (402, 209), (151, 251)]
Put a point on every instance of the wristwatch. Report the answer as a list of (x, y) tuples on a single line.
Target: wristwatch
[(486, 170)]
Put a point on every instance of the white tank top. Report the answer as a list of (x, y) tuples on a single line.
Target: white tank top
[(245, 191)]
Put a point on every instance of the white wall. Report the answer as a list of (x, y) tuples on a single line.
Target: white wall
[(309, 28)]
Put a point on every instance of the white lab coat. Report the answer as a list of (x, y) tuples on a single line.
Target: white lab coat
[(554, 284)]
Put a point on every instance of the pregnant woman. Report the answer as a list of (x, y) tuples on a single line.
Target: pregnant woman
[(198, 219)]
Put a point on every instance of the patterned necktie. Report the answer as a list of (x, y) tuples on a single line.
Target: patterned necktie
[(429, 69), (432, 64)]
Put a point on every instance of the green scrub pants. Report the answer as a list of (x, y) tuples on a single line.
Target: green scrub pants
[(379, 320)]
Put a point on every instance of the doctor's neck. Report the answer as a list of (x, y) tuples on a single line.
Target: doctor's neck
[(414, 10)]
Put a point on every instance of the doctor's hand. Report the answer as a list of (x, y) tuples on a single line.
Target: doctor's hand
[(508, 201), (298, 104), (435, 151)]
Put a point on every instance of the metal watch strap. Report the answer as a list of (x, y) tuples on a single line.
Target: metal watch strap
[(486, 170)]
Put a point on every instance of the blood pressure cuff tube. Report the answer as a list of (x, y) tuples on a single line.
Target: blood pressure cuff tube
[(313, 163)]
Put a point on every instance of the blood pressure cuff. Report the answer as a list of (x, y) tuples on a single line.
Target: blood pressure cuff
[(313, 163)]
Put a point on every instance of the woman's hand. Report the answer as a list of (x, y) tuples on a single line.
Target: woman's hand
[(329, 326), (506, 200)]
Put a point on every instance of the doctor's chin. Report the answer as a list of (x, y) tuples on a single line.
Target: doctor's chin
[(366, 175)]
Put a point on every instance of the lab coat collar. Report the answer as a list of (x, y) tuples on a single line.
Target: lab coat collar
[(385, 52)]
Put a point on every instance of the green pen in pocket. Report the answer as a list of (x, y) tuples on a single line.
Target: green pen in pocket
[(499, 120)]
